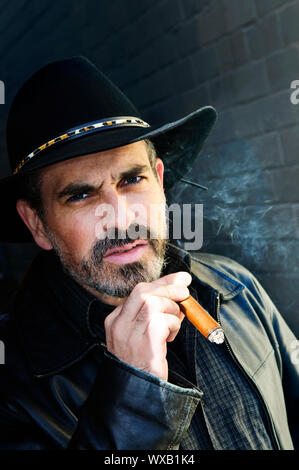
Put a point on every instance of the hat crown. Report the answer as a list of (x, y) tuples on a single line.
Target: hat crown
[(62, 95)]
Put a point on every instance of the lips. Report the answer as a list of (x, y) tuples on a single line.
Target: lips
[(125, 248)]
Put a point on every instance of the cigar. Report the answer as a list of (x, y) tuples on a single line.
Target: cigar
[(202, 320)]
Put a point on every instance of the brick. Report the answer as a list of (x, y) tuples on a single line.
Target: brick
[(161, 112), (205, 64), (285, 181), (238, 13), (183, 75), (277, 111), (239, 48), (253, 227), (275, 221), (135, 8), (138, 93), (115, 16), (30, 36), (145, 93), (265, 114), (266, 6), (224, 130), (188, 37), (166, 48), (247, 120), (250, 82), (139, 67), (281, 256), (210, 23), (225, 55), (264, 37), (162, 84), (250, 155), (169, 13), (289, 23), (244, 84), (178, 106), (289, 138), (207, 166), (266, 150), (196, 98), (9, 12), (147, 28), (221, 92), (232, 51), (295, 209), (191, 7), (244, 189), (282, 68)]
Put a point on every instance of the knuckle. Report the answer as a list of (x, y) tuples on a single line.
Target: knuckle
[(140, 286), (107, 322), (176, 308), (140, 290), (175, 290), (116, 333), (147, 308), (151, 302)]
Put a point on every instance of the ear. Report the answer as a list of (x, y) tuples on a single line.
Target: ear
[(160, 170), (34, 224)]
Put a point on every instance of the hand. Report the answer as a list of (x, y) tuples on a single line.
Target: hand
[(138, 329)]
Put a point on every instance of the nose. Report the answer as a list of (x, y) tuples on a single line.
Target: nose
[(115, 212)]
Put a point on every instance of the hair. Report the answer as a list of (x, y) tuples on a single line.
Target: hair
[(30, 191), (152, 153), (31, 185)]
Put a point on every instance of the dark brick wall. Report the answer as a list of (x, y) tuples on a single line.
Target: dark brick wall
[(171, 56)]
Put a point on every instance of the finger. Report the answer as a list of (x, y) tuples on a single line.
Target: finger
[(167, 326), (154, 305), (109, 320), (143, 291), (181, 277)]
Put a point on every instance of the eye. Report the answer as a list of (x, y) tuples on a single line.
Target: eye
[(77, 197), (133, 180)]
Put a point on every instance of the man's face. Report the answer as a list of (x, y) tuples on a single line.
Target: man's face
[(97, 204)]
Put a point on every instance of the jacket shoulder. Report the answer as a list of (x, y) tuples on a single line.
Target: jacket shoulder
[(223, 265), (231, 276)]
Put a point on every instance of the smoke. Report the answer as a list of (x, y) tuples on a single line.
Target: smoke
[(241, 219)]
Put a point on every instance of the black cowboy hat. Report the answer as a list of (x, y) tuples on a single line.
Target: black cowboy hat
[(69, 108)]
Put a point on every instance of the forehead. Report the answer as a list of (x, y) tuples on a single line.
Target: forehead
[(93, 166)]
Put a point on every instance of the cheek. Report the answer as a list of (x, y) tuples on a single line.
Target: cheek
[(149, 210), (75, 232)]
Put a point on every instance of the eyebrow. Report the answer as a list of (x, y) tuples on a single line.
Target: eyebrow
[(77, 187)]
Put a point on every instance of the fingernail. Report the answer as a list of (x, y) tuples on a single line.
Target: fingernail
[(185, 277)]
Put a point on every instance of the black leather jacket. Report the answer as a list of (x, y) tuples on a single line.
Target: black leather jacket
[(60, 389)]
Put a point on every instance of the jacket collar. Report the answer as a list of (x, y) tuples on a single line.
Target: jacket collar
[(210, 271), (47, 319)]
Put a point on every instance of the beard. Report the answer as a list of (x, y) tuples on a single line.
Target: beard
[(110, 278)]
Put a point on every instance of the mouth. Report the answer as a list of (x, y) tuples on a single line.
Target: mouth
[(126, 253)]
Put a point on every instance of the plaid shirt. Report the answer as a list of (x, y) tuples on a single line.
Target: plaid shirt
[(230, 414)]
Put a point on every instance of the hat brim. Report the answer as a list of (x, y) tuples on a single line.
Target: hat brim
[(177, 143)]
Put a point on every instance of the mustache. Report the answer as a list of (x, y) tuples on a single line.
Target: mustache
[(116, 238)]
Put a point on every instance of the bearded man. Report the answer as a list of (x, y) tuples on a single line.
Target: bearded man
[(98, 354)]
